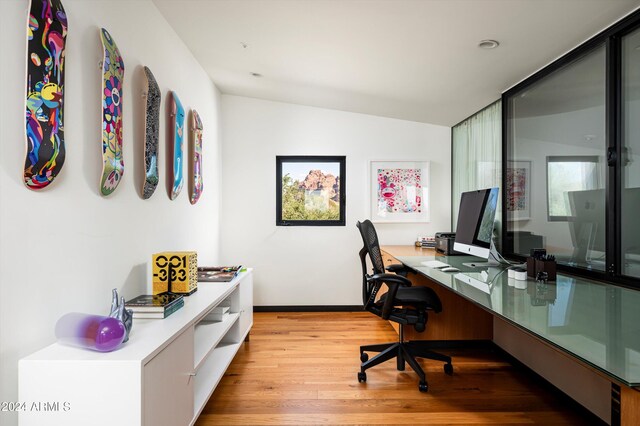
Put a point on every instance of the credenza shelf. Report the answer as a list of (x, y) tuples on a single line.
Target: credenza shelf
[(163, 375)]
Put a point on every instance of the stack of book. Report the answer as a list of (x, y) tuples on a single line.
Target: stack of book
[(217, 273), (155, 305), (428, 242)]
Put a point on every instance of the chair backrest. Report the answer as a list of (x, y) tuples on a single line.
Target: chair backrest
[(371, 248), (371, 245)]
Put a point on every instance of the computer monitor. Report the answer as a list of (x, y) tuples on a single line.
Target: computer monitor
[(475, 222)]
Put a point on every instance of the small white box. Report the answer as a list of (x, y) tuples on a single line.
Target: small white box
[(520, 275)]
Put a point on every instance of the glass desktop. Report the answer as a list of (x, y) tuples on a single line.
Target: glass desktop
[(593, 321)]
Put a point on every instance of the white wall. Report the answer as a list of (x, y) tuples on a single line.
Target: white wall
[(65, 248), (315, 265)]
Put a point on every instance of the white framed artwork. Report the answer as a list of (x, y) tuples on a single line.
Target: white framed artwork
[(399, 191)]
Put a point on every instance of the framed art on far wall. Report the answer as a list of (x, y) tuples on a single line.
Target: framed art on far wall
[(399, 191)]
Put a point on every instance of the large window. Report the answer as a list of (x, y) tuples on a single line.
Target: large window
[(557, 124), (630, 155), (573, 127)]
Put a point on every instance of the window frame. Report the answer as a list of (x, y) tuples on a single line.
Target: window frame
[(611, 37), (283, 159)]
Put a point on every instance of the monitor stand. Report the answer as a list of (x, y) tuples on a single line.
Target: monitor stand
[(495, 259)]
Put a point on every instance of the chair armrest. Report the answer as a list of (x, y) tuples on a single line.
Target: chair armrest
[(399, 269), (392, 281)]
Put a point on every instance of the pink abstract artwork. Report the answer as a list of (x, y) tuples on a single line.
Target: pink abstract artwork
[(399, 190), (517, 189)]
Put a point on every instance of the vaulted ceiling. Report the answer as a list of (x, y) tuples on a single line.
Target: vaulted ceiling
[(407, 59)]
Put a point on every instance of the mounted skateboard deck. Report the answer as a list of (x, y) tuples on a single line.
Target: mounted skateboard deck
[(195, 158), (112, 77), (151, 130), (46, 37), (176, 145)]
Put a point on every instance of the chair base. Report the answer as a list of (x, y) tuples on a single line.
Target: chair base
[(402, 351)]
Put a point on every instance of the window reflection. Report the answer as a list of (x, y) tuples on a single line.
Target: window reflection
[(565, 174), (630, 243), (556, 130)]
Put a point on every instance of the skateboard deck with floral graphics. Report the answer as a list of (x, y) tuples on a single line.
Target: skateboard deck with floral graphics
[(195, 158), (46, 37), (151, 130), (176, 145), (112, 77)]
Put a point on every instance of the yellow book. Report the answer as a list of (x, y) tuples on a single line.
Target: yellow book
[(175, 271)]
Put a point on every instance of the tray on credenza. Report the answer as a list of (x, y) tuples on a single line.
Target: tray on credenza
[(218, 273)]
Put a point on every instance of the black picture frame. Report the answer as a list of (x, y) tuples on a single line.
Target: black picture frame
[(286, 164)]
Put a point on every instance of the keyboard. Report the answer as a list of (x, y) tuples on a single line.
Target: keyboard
[(435, 264)]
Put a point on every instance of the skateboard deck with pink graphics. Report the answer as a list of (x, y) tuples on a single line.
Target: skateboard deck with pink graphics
[(176, 145), (151, 130), (46, 37), (112, 77), (195, 158)]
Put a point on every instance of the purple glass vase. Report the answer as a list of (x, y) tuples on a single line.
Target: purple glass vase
[(95, 332)]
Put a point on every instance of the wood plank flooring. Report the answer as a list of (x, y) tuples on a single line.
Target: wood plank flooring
[(300, 369)]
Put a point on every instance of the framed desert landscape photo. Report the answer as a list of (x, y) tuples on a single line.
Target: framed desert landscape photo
[(399, 191), (310, 190)]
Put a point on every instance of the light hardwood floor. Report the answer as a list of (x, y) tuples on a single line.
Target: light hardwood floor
[(300, 368)]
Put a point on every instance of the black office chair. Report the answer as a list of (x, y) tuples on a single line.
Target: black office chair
[(401, 303)]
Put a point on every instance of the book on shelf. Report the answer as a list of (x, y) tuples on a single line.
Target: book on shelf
[(218, 273), (159, 315), (219, 313), (154, 302)]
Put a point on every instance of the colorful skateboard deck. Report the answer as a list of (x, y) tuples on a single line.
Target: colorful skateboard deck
[(151, 130), (113, 75), (177, 120), (46, 36), (195, 158)]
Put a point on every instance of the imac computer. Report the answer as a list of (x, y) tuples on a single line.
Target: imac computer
[(474, 230)]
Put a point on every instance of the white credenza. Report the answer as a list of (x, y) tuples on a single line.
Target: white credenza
[(163, 375)]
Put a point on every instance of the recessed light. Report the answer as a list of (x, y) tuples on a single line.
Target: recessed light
[(488, 44), (256, 74)]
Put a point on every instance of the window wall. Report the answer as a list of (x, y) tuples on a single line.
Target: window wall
[(477, 157), (630, 158), (557, 126), (571, 146)]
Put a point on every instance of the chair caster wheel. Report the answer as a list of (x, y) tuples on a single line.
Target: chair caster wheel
[(448, 369), (423, 387), (362, 377), (364, 357)]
